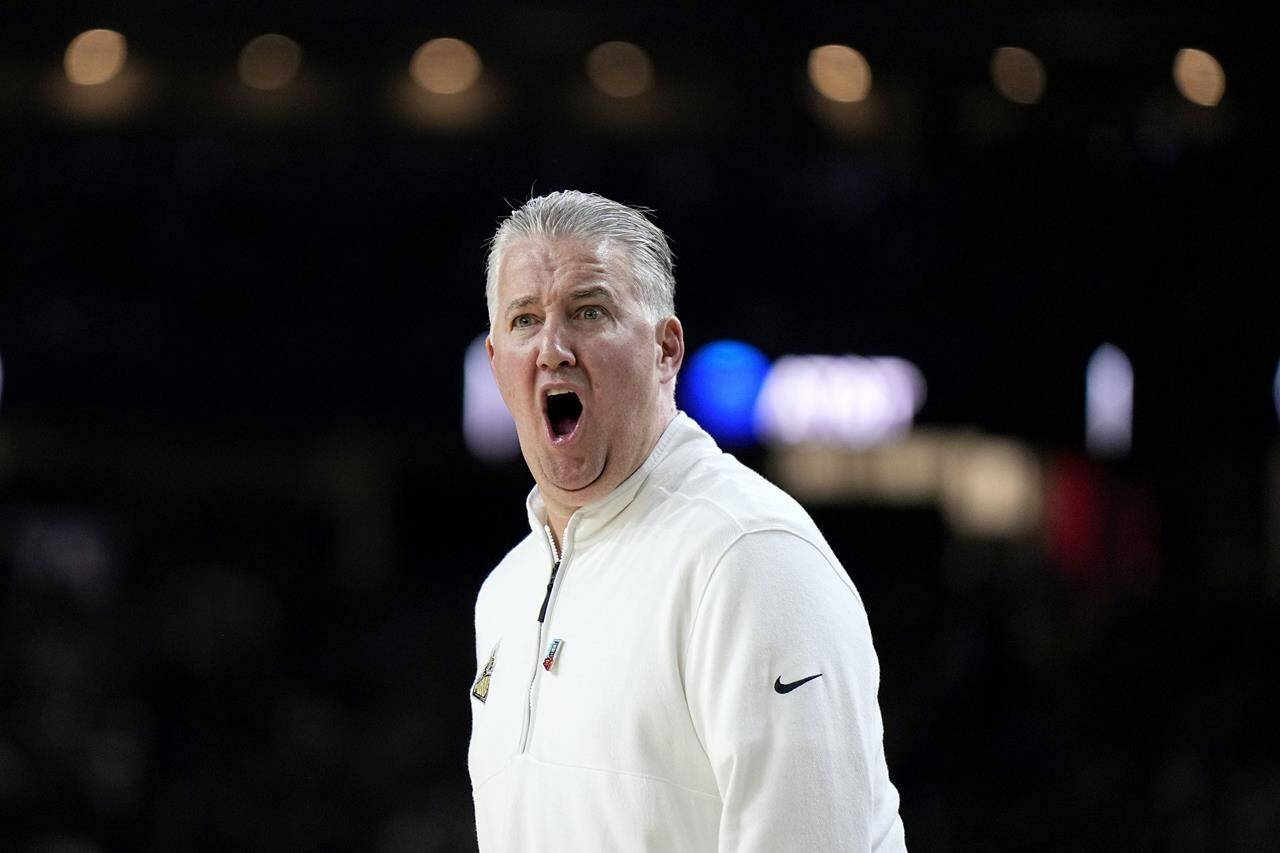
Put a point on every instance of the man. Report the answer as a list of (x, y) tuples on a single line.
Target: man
[(673, 659)]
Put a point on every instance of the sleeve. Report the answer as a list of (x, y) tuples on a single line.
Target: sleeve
[(782, 680)]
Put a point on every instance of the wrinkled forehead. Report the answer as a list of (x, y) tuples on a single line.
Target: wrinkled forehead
[(539, 264)]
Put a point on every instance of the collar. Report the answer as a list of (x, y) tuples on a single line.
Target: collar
[(589, 520)]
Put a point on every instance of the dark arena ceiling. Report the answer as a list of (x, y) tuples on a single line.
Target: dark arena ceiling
[(200, 250)]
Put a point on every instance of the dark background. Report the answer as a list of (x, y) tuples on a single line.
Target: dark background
[(241, 536)]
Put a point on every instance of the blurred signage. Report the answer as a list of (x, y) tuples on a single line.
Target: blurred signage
[(733, 391), (848, 400), (986, 486)]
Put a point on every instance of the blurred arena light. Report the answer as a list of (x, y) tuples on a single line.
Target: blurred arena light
[(620, 69), (1018, 74), (905, 472), (986, 486), (719, 387), (731, 390), (269, 62), (95, 57), (992, 488), (849, 400), (99, 80), (1275, 387), (487, 427), (1199, 77), (1109, 402), (445, 66), (839, 73)]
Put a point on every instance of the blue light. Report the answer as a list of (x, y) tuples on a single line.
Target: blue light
[(719, 386)]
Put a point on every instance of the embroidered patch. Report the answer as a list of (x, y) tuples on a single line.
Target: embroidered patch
[(552, 650), (480, 689)]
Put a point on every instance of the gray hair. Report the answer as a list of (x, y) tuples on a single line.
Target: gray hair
[(588, 216)]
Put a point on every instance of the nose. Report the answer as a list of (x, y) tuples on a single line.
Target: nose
[(555, 349)]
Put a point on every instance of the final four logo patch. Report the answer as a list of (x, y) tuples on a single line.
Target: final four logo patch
[(552, 650), (480, 689)]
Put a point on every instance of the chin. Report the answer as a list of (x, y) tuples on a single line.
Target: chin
[(577, 482), (579, 488)]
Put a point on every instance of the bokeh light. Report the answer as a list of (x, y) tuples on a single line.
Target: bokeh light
[(446, 66), (850, 400), (1017, 74), (1199, 77), (719, 389), (1275, 388), (1109, 402), (992, 488), (95, 57), (269, 62), (840, 73), (487, 427), (620, 69)]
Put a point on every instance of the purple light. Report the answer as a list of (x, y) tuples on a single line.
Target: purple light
[(1109, 402), (848, 400), (1275, 389), (487, 426)]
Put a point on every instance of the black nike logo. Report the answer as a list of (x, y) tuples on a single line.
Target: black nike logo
[(787, 688)]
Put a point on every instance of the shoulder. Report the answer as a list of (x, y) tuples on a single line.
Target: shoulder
[(755, 536), (772, 589), (720, 498), (782, 562), (726, 522)]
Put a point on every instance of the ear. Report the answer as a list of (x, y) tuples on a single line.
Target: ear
[(670, 339), (488, 349)]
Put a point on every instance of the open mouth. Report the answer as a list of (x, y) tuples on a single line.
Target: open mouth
[(564, 409)]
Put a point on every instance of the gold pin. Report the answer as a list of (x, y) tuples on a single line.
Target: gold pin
[(480, 689)]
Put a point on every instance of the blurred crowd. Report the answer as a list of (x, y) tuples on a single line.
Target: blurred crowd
[(280, 659)]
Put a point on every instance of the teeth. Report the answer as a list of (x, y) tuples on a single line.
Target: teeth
[(555, 393)]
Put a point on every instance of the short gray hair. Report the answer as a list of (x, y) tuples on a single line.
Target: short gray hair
[(588, 216)]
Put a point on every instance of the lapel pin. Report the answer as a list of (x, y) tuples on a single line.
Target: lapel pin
[(552, 650)]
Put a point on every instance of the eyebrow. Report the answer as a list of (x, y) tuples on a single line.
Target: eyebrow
[(591, 291), (521, 302), (581, 293)]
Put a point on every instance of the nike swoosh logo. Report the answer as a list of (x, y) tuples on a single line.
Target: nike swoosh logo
[(787, 688)]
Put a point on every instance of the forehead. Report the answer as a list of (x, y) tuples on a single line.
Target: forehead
[(536, 265)]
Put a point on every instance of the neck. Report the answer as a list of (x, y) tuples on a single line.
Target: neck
[(558, 515)]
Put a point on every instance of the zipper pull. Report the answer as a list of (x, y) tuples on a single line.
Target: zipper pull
[(555, 553), (542, 612)]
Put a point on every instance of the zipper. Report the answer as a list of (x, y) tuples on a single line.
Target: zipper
[(551, 540), (542, 614)]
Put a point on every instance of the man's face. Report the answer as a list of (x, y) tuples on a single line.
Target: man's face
[(568, 320)]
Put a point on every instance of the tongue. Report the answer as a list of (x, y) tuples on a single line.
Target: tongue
[(563, 425)]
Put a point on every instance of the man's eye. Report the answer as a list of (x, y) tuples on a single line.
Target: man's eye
[(592, 313), (524, 321)]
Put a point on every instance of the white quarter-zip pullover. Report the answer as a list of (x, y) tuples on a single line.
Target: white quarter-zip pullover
[(702, 677)]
